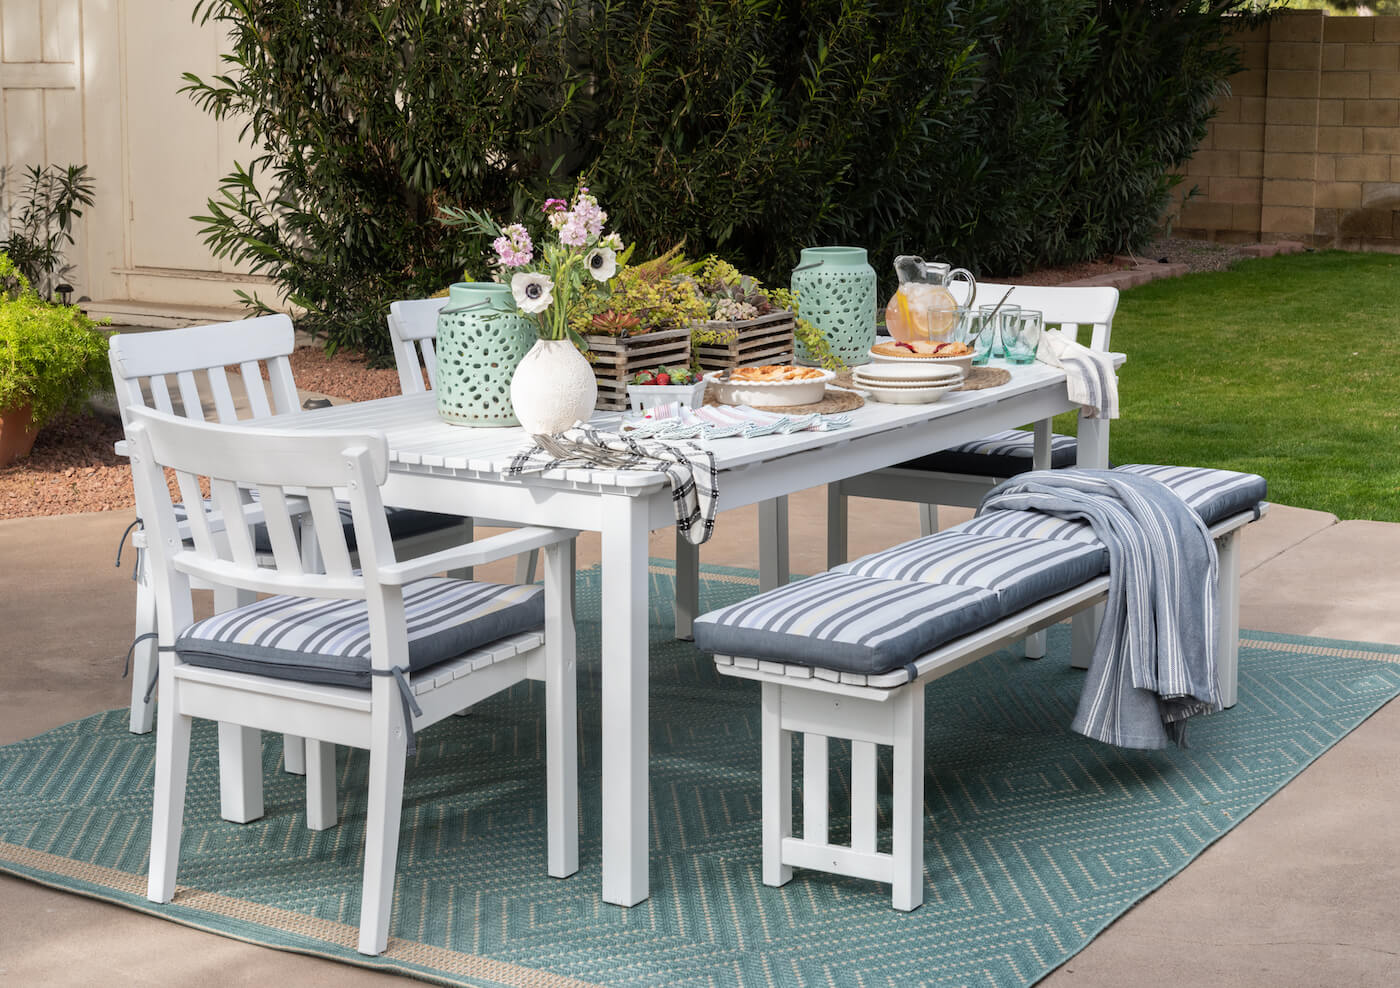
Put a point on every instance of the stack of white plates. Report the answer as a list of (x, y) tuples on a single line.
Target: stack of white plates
[(908, 383)]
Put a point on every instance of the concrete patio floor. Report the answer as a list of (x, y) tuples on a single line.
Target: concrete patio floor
[(1303, 892)]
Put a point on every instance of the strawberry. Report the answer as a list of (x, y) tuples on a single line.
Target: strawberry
[(663, 379), (645, 377)]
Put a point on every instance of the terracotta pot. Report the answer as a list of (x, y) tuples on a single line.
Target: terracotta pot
[(553, 388), (17, 434)]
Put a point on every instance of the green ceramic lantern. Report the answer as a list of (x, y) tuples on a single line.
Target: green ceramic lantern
[(835, 289), (481, 339)]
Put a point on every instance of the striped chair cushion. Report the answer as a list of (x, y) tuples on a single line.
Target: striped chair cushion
[(847, 623), (1028, 525), (1019, 571), (1213, 494), (403, 522), (1002, 454), (327, 641)]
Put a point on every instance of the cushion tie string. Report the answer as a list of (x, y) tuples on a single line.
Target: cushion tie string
[(126, 666), (121, 544), (155, 673), (410, 705)]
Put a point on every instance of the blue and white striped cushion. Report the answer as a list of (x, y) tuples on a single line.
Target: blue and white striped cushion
[(1213, 494), (848, 623), (327, 641), (1028, 525), (1002, 454), (1019, 571)]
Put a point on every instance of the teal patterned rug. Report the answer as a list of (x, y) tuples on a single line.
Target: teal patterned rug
[(1036, 838)]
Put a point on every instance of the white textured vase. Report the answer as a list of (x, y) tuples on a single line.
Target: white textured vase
[(553, 388)]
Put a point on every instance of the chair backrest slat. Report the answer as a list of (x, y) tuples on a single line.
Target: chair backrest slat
[(283, 388), (228, 501), (189, 396), (160, 395), (254, 389), (224, 409), (414, 321), (193, 499), (335, 554), (281, 529)]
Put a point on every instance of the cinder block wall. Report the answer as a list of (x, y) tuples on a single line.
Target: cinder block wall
[(1307, 144)]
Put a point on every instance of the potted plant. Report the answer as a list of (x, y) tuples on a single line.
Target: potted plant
[(746, 323), (51, 358)]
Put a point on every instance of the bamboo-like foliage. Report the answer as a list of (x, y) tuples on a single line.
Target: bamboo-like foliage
[(1001, 134)]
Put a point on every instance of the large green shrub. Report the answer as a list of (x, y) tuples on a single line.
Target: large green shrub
[(51, 356), (1002, 134)]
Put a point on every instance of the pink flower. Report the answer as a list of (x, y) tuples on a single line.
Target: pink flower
[(573, 232), (554, 206), (514, 247)]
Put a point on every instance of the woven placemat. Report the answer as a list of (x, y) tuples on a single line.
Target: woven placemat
[(834, 401), (979, 378), (985, 377)]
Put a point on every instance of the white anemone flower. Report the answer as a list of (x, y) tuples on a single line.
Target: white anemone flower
[(533, 292), (602, 263)]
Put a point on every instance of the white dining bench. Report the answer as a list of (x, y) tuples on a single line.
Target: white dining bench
[(874, 632)]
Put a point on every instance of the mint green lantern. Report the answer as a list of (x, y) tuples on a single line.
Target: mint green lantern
[(835, 289), (481, 339)]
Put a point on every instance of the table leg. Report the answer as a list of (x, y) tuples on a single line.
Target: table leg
[(1093, 454), (773, 543), (687, 604), (624, 701), (1040, 460)]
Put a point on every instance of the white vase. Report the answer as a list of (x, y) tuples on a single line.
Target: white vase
[(553, 388)]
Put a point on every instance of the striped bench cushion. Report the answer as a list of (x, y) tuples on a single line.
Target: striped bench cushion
[(327, 641), (1213, 494), (1028, 525), (848, 623), (1019, 571), (1002, 454)]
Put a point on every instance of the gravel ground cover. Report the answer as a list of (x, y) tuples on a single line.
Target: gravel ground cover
[(73, 468)]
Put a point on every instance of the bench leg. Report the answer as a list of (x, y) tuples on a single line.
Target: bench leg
[(928, 519), (687, 603), (777, 787), (773, 543), (908, 811), (1228, 617)]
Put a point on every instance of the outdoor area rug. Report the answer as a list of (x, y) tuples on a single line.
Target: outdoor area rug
[(1036, 838)]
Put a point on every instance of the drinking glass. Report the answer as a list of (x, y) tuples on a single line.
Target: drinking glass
[(997, 319), (1021, 336)]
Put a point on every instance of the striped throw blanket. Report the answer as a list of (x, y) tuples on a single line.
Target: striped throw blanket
[(691, 469), (1092, 379), (1154, 662)]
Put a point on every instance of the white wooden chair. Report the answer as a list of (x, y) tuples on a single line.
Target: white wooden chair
[(356, 657), (413, 330), (197, 358)]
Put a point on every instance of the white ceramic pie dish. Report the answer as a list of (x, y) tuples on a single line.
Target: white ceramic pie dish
[(907, 395), (912, 374), (758, 394), (964, 361)]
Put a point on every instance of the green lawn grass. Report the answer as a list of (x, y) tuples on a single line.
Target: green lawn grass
[(1288, 367)]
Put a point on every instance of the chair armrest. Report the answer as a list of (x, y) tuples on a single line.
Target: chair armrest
[(476, 553)]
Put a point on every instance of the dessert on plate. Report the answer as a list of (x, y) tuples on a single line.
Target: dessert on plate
[(921, 348)]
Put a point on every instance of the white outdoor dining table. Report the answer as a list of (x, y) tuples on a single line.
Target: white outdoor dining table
[(440, 467)]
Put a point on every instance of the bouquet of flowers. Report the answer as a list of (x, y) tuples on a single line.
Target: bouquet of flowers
[(547, 280)]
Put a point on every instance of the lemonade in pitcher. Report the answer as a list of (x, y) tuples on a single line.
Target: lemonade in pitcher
[(923, 308)]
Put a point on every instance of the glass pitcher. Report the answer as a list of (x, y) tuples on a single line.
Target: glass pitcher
[(923, 307)]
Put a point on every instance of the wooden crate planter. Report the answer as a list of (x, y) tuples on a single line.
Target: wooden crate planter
[(765, 340), (616, 359)]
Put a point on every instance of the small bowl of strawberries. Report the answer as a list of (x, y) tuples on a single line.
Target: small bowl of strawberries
[(664, 385)]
